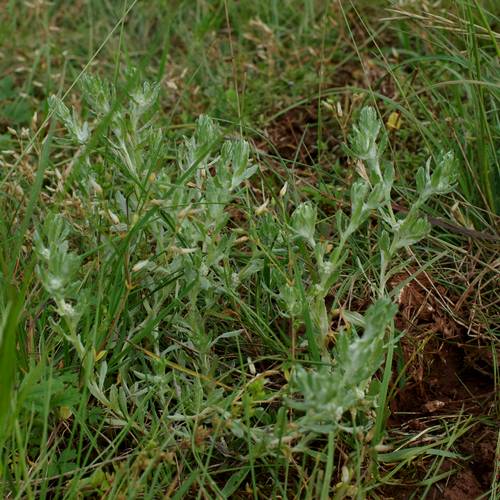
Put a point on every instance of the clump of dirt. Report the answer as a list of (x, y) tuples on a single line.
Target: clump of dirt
[(476, 477), (444, 375), (464, 485), (444, 372)]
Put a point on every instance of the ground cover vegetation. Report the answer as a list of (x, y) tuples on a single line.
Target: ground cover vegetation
[(249, 249)]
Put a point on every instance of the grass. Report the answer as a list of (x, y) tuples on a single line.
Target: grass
[(215, 279)]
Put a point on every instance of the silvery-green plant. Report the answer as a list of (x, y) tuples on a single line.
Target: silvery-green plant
[(58, 269), (80, 132), (330, 391), (171, 221), (170, 217), (408, 229), (327, 393)]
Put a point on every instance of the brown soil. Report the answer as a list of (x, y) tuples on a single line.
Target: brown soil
[(294, 135), (445, 375)]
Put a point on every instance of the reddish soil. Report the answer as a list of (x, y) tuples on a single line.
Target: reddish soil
[(445, 375)]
